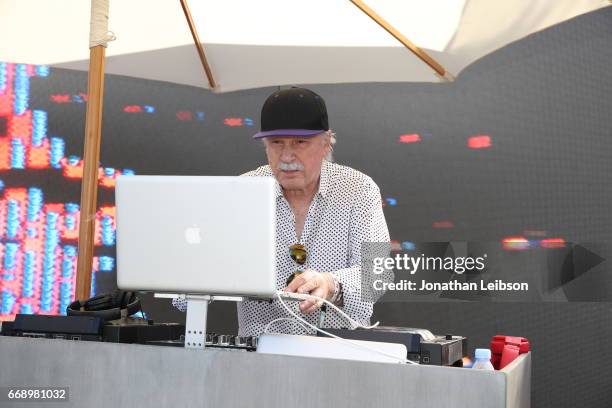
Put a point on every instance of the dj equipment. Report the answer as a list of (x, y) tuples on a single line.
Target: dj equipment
[(447, 350), (504, 349), (422, 346), (223, 341), (141, 331), (87, 328), (108, 306), (130, 330)]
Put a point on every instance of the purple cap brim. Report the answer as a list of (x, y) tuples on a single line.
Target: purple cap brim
[(287, 132)]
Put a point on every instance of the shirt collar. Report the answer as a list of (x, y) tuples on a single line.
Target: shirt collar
[(279, 190), (323, 181)]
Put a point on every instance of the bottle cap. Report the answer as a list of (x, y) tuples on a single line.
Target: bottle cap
[(482, 354)]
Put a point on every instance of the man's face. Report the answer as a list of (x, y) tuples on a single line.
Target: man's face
[(296, 161)]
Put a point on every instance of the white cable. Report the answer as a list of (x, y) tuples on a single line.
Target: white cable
[(353, 343), (280, 319), (307, 296)]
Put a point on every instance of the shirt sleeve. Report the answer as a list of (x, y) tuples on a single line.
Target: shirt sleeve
[(180, 304), (368, 224)]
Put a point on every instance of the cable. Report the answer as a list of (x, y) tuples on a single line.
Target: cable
[(279, 294), (280, 319), (307, 296)]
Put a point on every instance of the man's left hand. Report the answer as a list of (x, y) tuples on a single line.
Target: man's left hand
[(319, 284)]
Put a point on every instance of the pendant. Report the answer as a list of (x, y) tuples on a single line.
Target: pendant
[(298, 253)]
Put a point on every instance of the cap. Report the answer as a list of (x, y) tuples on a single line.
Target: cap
[(293, 112), (482, 354)]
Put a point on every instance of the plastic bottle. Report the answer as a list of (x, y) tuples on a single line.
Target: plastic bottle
[(483, 359)]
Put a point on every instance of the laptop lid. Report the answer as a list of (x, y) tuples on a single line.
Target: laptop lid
[(197, 234)]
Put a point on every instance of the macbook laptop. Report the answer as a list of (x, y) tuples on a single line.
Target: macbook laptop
[(196, 235)]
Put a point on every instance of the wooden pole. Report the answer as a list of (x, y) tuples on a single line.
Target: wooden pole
[(198, 44), (98, 37), (91, 158), (422, 55)]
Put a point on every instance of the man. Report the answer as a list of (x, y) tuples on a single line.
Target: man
[(328, 209)]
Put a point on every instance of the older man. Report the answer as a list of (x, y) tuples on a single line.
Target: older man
[(324, 211)]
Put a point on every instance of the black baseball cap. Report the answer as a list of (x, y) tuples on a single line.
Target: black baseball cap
[(293, 112)]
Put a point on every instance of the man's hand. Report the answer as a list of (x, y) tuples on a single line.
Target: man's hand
[(319, 284)]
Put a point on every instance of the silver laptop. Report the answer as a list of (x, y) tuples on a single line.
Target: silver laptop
[(197, 234)]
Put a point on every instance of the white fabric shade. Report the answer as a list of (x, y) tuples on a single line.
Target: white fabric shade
[(252, 44)]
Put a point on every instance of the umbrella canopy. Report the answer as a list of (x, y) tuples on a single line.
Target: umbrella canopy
[(252, 44)]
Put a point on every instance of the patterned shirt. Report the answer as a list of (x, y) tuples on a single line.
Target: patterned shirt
[(345, 211)]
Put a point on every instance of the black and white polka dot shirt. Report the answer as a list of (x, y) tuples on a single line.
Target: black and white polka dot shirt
[(346, 211)]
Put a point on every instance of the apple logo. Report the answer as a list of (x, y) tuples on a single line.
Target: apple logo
[(192, 235)]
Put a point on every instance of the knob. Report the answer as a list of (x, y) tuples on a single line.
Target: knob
[(223, 340), (253, 341), (240, 341)]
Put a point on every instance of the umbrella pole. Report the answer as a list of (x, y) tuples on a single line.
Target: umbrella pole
[(91, 158), (422, 55), (198, 45), (91, 151)]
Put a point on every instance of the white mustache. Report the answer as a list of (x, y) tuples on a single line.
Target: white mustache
[(290, 166)]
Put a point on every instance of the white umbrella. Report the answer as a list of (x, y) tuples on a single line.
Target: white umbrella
[(252, 44), (247, 44)]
